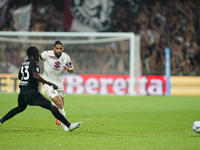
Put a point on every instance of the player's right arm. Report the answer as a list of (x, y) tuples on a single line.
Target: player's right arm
[(36, 75), (39, 78), (70, 69), (44, 55)]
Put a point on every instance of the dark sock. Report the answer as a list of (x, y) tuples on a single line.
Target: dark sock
[(10, 114), (60, 117)]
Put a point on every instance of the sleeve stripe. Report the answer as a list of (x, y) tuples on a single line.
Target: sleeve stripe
[(34, 72), (41, 57)]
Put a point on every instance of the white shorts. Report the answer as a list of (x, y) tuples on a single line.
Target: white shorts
[(52, 93)]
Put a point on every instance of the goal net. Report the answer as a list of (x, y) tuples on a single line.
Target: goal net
[(107, 58)]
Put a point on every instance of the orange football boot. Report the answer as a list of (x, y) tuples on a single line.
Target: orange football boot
[(58, 122)]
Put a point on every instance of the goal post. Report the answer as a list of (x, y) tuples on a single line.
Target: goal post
[(91, 53)]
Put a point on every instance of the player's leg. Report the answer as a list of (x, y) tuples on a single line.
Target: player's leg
[(45, 103), (21, 107), (73, 125), (59, 116), (53, 94), (55, 97), (57, 100), (62, 110)]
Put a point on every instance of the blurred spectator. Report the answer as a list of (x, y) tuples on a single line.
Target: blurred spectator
[(2, 61), (175, 24)]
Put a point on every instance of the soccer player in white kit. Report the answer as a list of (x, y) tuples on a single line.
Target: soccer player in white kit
[(55, 61)]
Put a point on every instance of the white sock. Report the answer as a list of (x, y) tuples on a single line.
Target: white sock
[(62, 111)]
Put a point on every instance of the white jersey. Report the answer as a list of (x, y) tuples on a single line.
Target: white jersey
[(53, 67)]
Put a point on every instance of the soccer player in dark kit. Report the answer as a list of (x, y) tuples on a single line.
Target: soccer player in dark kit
[(29, 93)]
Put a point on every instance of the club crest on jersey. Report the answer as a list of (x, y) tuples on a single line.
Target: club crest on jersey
[(63, 60), (57, 65)]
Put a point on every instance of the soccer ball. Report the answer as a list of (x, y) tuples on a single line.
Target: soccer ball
[(196, 126)]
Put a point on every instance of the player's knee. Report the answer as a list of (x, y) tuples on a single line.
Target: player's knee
[(58, 101), (53, 108), (20, 109), (59, 105)]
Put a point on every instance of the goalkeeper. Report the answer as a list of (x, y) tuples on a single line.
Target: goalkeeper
[(55, 62)]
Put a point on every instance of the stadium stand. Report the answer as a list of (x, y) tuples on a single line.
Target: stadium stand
[(160, 24)]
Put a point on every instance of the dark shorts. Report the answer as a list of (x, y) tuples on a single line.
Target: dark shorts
[(37, 99)]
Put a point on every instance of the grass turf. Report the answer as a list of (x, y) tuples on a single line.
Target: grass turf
[(109, 123)]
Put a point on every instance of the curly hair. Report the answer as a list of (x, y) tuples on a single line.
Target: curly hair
[(32, 52)]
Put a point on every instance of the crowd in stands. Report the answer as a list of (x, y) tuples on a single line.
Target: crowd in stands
[(172, 23), (47, 15), (166, 23)]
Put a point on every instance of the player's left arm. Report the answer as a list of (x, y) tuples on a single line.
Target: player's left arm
[(69, 69), (69, 66), (44, 55)]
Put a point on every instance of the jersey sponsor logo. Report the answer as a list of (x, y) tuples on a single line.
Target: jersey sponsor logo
[(57, 65), (95, 14)]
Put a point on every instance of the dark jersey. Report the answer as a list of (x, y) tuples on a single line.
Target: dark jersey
[(28, 84)]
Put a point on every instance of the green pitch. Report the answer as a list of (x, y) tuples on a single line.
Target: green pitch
[(109, 123)]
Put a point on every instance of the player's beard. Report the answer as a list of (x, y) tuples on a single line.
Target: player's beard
[(58, 54)]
